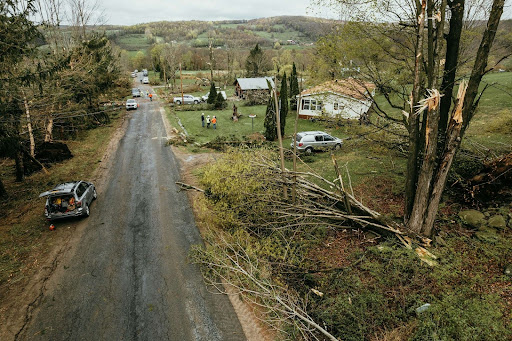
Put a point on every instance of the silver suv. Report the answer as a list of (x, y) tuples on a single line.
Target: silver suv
[(69, 199), (309, 141)]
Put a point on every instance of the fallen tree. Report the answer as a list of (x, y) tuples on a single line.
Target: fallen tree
[(245, 190)]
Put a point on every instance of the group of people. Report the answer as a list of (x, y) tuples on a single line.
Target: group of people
[(208, 121)]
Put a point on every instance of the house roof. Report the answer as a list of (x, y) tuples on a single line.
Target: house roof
[(254, 83), (348, 87)]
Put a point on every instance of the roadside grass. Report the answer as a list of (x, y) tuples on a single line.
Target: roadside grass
[(24, 236)]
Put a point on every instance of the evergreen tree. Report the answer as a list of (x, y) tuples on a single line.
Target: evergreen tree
[(220, 102), (294, 88), (256, 63), (294, 83), (270, 123), (283, 97), (212, 96)]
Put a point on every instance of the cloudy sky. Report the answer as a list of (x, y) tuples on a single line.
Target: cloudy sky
[(128, 12)]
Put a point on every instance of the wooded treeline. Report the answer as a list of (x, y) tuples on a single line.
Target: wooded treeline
[(54, 82)]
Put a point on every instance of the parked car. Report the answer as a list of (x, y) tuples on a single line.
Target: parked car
[(136, 92), (145, 80), (131, 104), (205, 97), (144, 72), (187, 99), (134, 74), (69, 199), (136, 71), (309, 141)]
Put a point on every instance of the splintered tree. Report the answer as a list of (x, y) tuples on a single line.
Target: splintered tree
[(416, 66)]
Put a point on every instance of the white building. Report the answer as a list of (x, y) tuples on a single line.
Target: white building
[(344, 98)]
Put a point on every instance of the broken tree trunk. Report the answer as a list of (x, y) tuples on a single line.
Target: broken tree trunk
[(341, 188), (29, 126)]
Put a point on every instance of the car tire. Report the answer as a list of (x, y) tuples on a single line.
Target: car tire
[(178, 102), (94, 194), (309, 150), (337, 147), (196, 102), (87, 212)]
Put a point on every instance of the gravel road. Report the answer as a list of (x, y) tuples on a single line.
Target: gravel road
[(128, 278)]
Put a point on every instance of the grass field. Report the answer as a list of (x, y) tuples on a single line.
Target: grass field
[(133, 42)]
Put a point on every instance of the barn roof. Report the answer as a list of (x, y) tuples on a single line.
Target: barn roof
[(254, 83), (348, 87)]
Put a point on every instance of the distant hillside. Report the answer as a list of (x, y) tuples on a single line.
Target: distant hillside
[(285, 30)]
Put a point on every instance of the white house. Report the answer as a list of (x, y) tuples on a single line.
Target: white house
[(343, 98)]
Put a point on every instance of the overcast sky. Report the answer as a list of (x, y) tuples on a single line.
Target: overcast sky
[(129, 12)]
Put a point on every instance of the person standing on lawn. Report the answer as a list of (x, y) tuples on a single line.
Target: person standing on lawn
[(214, 122), (202, 120), (208, 122)]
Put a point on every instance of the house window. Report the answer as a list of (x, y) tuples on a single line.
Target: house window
[(318, 105), (305, 104), (335, 105)]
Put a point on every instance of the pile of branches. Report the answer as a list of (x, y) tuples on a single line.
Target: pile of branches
[(262, 200)]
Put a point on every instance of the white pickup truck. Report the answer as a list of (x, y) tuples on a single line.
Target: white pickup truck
[(187, 99)]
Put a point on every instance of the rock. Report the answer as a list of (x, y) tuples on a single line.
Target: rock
[(497, 221), (487, 214), (487, 235), (508, 270), (423, 308), (472, 218)]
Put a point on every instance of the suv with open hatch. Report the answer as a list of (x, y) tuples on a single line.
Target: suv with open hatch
[(309, 141), (69, 199)]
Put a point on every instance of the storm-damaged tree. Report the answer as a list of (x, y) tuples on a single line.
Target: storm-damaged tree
[(416, 65), (17, 33)]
